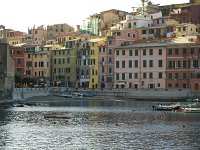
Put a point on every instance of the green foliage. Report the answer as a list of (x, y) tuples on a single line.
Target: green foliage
[(195, 1)]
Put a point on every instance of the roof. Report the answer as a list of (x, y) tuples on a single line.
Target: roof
[(158, 44)]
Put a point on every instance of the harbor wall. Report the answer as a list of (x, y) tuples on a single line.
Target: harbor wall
[(23, 93)]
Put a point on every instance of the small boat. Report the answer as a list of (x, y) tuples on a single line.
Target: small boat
[(167, 107), (87, 94), (77, 95), (67, 95), (191, 110)]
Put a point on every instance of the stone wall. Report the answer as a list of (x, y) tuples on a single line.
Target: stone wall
[(23, 93)]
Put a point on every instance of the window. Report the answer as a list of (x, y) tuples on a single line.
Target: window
[(184, 63), (117, 76), (117, 52), (184, 75), (150, 75), (170, 51), (35, 64), (136, 52), (110, 70), (136, 63), (68, 60), (130, 53), (136, 75), (144, 75), (177, 64), (63, 60), (160, 63), (144, 63), (123, 76), (150, 63), (54, 61), (184, 51), (150, 51), (110, 52), (123, 52), (170, 65), (130, 75), (29, 55), (117, 64), (176, 51), (144, 52), (160, 75), (123, 64), (170, 75), (160, 52), (176, 76), (129, 25), (157, 21), (196, 86), (18, 61), (192, 51), (129, 34), (130, 63), (59, 61), (144, 31), (110, 41)]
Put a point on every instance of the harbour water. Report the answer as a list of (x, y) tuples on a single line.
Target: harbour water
[(97, 124)]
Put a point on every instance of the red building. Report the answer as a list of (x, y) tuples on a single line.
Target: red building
[(18, 54), (187, 14), (183, 66)]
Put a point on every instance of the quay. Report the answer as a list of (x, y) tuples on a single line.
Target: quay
[(129, 94)]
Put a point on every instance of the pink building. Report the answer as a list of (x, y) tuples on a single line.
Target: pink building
[(140, 66), (106, 53)]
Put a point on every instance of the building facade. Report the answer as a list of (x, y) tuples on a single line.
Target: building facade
[(7, 68), (140, 66)]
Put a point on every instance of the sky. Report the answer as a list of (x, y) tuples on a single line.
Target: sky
[(21, 14)]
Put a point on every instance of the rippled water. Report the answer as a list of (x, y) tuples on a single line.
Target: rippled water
[(97, 125)]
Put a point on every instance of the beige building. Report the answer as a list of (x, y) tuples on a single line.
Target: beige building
[(55, 30), (109, 18), (186, 29), (37, 35), (41, 66), (7, 68)]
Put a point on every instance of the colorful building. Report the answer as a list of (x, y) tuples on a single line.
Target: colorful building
[(140, 66)]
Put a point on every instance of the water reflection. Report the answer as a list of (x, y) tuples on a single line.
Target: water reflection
[(97, 125)]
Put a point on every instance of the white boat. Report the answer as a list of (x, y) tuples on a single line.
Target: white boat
[(77, 95), (167, 107), (191, 110)]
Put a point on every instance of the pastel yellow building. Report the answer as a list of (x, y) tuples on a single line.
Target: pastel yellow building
[(41, 66), (94, 62)]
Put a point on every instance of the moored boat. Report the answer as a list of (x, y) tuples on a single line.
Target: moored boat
[(77, 95), (167, 107), (191, 110)]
